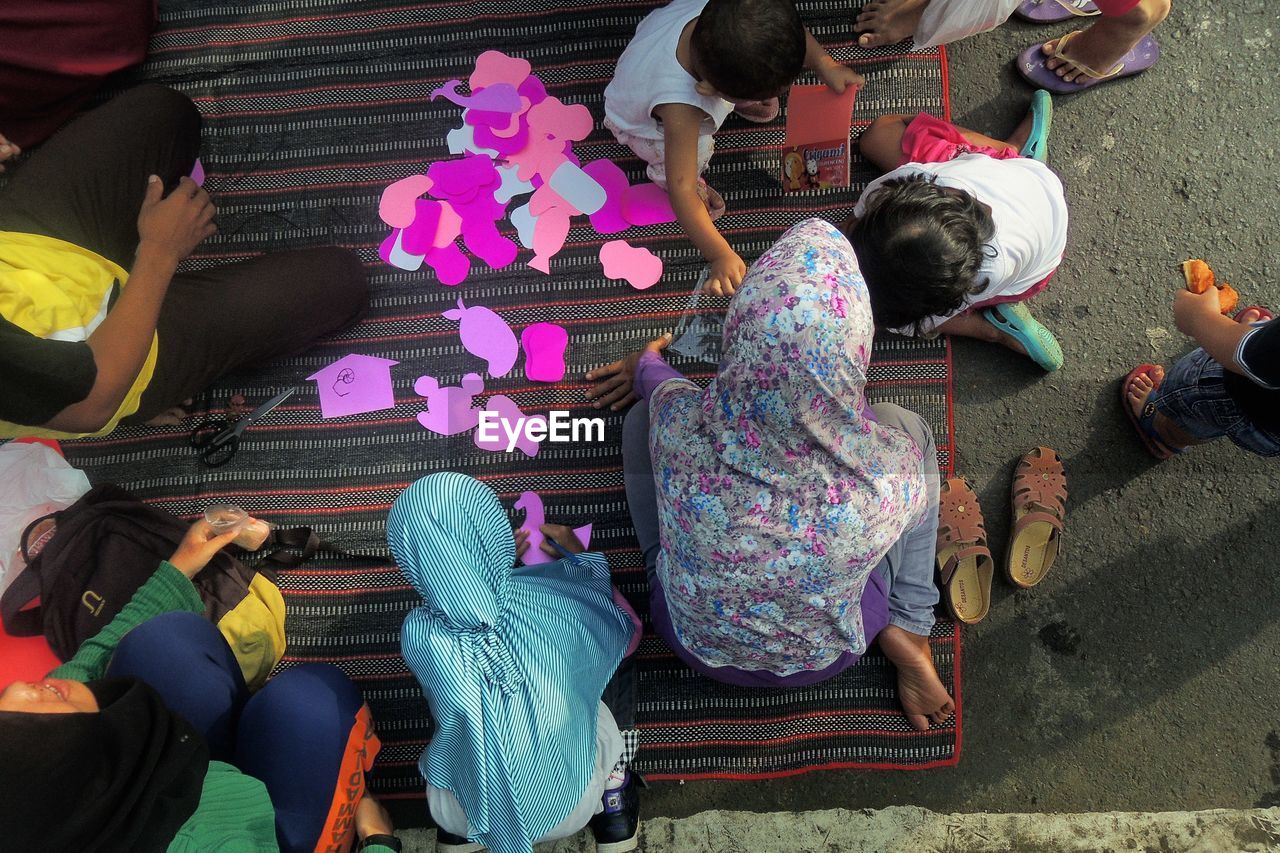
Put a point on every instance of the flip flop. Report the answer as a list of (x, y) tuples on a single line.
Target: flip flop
[(1032, 67), (1265, 314), (1144, 424), (1016, 321), (1037, 144), (964, 560), (1055, 11), (1039, 497)]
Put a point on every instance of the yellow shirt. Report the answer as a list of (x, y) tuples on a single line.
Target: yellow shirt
[(59, 291)]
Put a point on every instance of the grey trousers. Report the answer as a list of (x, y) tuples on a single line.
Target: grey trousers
[(908, 568)]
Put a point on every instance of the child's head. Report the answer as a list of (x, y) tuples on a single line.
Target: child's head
[(748, 50), (919, 247)]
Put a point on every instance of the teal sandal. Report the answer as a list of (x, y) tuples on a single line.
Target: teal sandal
[(1016, 321), (1037, 144)]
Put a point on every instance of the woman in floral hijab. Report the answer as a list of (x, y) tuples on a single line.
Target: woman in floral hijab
[(785, 522)]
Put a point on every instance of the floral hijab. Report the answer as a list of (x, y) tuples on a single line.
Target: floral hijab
[(778, 493)]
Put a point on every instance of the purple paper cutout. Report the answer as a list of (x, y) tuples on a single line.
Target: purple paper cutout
[(544, 346), (355, 384), (197, 173), (392, 251), (534, 518), (499, 97), (647, 204), (420, 235), (509, 413), (578, 188), (533, 89), (608, 219), (486, 335), (449, 409)]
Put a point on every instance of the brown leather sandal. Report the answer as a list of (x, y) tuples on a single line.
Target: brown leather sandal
[(1039, 497), (964, 560)]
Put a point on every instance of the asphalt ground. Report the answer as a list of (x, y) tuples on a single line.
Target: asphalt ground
[(1140, 676)]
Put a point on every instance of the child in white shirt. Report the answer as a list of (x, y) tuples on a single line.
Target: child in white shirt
[(691, 63)]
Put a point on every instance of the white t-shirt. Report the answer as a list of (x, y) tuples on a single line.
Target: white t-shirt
[(1029, 211), (649, 74), (448, 814)]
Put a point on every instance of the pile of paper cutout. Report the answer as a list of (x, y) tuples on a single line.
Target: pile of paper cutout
[(516, 140)]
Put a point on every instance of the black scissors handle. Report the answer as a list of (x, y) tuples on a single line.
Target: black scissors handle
[(216, 440)]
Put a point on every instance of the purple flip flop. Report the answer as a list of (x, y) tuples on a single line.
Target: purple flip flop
[(1032, 67), (1055, 11)]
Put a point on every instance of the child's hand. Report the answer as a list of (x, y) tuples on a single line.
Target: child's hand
[(563, 535), (522, 542), (727, 272), (840, 77), (199, 546), (1192, 310), (7, 151)]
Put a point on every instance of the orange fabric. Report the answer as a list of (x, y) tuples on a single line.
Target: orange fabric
[(362, 748)]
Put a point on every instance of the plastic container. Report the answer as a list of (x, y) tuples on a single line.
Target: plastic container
[(224, 518)]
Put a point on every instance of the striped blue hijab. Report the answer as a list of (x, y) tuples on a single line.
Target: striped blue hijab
[(512, 660)]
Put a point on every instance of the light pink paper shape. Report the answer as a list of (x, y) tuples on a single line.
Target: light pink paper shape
[(647, 204), (534, 518), (450, 226), (608, 219), (449, 409), (551, 125), (641, 268), (355, 384), (496, 98), (392, 251), (578, 188), (550, 230), (509, 413), (397, 205), (197, 173), (544, 346), (494, 66), (486, 335)]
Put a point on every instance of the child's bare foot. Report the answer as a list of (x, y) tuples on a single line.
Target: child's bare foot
[(172, 416), (972, 326), (923, 696), (884, 22), (1141, 387), (1103, 44)]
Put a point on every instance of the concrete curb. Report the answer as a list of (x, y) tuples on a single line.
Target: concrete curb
[(908, 828)]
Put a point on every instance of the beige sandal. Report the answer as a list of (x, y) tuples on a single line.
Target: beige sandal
[(1080, 67), (1039, 498), (964, 560)]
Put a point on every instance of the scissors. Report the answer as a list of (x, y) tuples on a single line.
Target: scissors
[(218, 439)]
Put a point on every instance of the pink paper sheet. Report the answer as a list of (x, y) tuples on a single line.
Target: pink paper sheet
[(544, 345), (641, 268), (647, 204), (397, 204)]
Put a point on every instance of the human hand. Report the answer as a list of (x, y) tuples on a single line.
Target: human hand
[(727, 272), (839, 77), (372, 818), (199, 546), (8, 151), (522, 542), (564, 536), (1191, 311), (176, 224), (614, 383)]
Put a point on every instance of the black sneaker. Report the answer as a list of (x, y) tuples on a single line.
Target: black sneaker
[(447, 842), (617, 827)]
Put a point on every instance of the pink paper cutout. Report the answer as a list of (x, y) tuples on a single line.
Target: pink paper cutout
[(545, 198), (578, 188), (451, 265), (647, 204), (608, 219), (397, 205), (420, 235), (549, 233), (641, 268), (551, 125), (469, 185), (534, 518), (544, 346), (450, 226), (449, 409), (509, 413), (355, 384), (392, 251), (197, 173), (498, 97), (494, 66), (501, 124), (505, 146), (486, 335)]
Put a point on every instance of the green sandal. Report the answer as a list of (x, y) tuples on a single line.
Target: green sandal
[(1037, 145), (1016, 321)]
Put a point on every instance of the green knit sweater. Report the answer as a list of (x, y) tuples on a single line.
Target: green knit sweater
[(235, 812)]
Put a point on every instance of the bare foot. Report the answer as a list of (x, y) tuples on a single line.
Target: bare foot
[(174, 415), (1140, 389), (973, 326), (884, 22), (921, 692), (1250, 315)]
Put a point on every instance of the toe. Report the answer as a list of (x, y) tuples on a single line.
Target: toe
[(870, 40), (919, 722), (1048, 49)]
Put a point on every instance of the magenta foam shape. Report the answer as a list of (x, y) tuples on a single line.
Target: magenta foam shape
[(450, 263), (420, 235), (545, 346), (647, 204), (609, 219)]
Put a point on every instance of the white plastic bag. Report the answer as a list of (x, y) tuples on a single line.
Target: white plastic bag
[(945, 21), (37, 481)]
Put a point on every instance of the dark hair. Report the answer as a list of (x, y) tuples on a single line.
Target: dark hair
[(749, 49), (919, 247)]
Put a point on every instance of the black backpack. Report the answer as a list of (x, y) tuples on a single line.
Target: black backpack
[(107, 545)]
